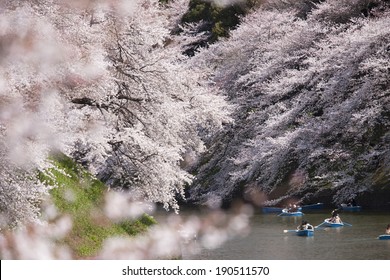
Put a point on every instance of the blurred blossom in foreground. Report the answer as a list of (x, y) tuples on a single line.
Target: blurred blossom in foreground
[(37, 241), (124, 205), (175, 236), (178, 236)]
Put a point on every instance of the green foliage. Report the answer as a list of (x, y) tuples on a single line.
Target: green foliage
[(219, 20), (381, 178), (81, 196), (138, 226)]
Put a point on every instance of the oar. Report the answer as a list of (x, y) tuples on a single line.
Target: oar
[(321, 228), (320, 225), (347, 224), (289, 230)]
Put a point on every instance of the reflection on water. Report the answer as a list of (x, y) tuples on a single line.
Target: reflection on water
[(267, 241)]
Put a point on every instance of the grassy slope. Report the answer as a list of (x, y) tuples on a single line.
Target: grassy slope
[(80, 195)]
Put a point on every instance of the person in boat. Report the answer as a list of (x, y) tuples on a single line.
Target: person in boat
[(388, 229), (335, 216), (292, 208), (304, 225), (352, 203)]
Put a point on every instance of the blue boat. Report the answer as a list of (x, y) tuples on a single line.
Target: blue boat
[(285, 213), (351, 208), (384, 237), (305, 232), (328, 223), (272, 209), (318, 205), (276, 209), (309, 231)]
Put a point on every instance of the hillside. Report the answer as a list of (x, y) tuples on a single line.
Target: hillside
[(81, 197)]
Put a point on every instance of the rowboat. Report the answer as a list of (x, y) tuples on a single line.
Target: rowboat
[(285, 213), (272, 209), (318, 205), (328, 223), (351, 208), (305, 232), (276, 209), (302, 232), (384, 237)]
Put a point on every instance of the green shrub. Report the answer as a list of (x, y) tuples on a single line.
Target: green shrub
[(219, 20)]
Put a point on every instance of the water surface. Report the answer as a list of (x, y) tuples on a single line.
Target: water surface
[(266, 241)]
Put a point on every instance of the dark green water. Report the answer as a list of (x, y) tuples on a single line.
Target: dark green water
[(266, 241)]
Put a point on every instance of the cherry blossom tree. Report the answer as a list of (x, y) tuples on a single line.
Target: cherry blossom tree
[(102, 82), (311, 117)]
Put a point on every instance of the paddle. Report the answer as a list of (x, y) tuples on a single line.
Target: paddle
[(320, 225), (289, 230), (347, 224)]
